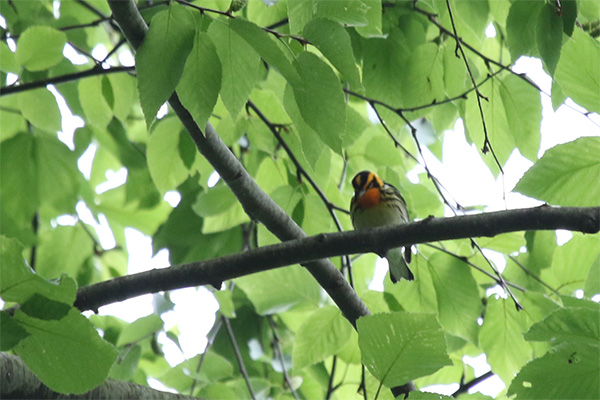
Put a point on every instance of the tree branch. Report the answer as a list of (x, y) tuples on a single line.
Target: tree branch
[(4, 90), (18, 382), (257, 204), (325, 245)]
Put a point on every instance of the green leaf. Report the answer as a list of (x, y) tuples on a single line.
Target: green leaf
[(140, 329), (321, 100), (300, 12), (126, 364), (161, 57), (577, 70), (557, 177), (19, 283), (334, 42), (572, 325), (347, 12), (67, 355), (398, 347), (540, 249), (281, 289), (125, 94), (97, 111), (374, 16), (501, 338), (214, 201), (571, 263), (523, 108), (520, 31), (269, 49), (9, 59), (572, 369), (17, 166), (200, 82), (324, 333), (39, 107), (166, 166), (549, 33), (40, 47), (458, 300), (568, 10), (57, 168), (12, 332), (239, 64), (62, 251), (309, 143), (226, 306), (41, 307)]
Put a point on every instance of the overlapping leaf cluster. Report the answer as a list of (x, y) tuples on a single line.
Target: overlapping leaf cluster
[(310, 67)]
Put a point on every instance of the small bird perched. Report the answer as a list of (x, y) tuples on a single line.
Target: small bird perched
[(377, 203)]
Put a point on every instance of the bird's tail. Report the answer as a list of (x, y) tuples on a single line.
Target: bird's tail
[(398, 265)]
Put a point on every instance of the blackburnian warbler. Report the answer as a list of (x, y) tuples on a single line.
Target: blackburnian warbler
[(377, 203)]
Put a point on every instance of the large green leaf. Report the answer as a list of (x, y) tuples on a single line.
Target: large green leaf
[(97, 110), (165, 163), (57, 168), (140, 329), (19, 193), (323, 334), (520, 31), (523, 108), (269, 49), (569, 372), (40, 47), (398, 347), (549, 33), (67, 355), (321, 101), (200, 82), (281, 289), (568, 325), (19, 283), (161, 57), (458, 300), (577, 70), (501, 338), (239, 66), (62, 251), (40, 109), (572, 262), (334, 42), (566, 175)]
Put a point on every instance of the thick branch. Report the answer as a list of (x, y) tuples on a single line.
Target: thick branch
[(304, 250), (253, 199), (18, 382)]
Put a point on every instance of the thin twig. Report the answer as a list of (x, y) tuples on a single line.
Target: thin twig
[(475, 266), (238, 356), (210, 339), (97, 70), (330, 387), (531, 274), (277, 344), (487, 145), (466, 386)]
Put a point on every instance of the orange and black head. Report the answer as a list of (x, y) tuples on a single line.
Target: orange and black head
[(367, 189)]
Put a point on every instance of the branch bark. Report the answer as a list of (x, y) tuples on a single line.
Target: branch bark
[(253, 199), (18, 382), (305, 250)]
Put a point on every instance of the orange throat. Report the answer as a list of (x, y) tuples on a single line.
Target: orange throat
[(370, 198)]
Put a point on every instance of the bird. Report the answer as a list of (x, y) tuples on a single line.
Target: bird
[(377, 203)]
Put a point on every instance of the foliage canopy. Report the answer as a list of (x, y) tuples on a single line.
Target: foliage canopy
[(305, 93)]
